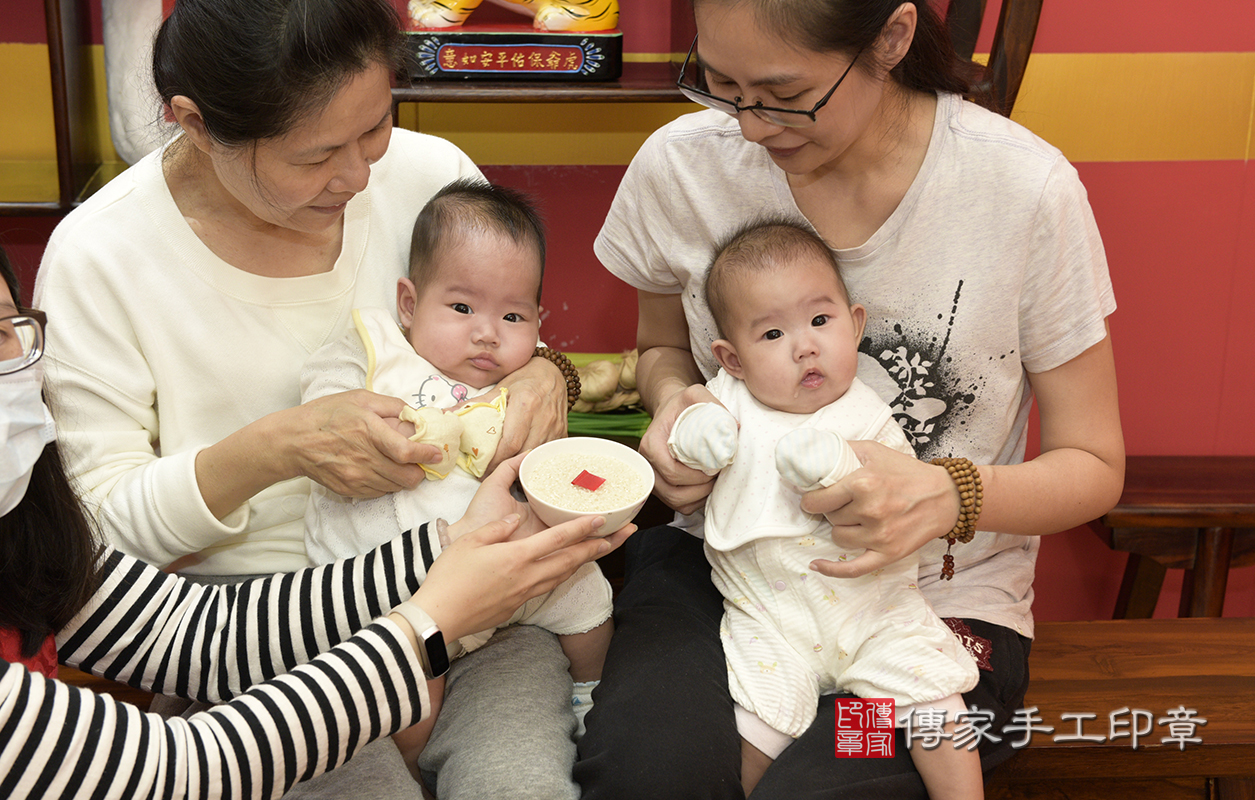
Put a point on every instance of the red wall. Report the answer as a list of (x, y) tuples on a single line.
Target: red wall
[(23, 238), (585, 308)]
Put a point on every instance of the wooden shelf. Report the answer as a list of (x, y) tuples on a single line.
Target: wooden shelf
[(30, 189), (652, 82)]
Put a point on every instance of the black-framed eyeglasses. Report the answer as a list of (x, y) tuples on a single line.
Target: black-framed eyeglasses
[(21, 340), (694, 90)]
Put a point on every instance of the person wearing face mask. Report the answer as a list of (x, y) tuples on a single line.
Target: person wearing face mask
[(972, 246), (66, 597), (28, 425)]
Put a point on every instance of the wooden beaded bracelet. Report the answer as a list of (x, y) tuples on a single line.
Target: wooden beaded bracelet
[(568, 372), (971, 495)]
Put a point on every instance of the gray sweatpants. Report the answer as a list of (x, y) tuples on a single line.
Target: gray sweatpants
[(506, 724)]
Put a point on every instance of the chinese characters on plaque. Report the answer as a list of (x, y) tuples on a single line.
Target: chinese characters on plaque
[(515, 54)]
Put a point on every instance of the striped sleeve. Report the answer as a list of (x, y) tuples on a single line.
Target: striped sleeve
[(163, 634), (59, 741)]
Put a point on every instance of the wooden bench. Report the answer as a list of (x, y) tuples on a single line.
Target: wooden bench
[(1195, 513), (1153, 666), (74, 677)]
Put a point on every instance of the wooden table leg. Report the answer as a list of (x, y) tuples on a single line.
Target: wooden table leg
[(1234, 788), (1139, 589), (1210, 574)]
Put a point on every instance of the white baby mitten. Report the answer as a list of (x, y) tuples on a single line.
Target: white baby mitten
[(704, 437), (811, 459), (581, 704)]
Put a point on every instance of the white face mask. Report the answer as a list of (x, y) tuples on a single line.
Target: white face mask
[(25, 429)]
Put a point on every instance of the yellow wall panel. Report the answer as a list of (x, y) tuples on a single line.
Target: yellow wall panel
[(654, 58), (1141, 106), (26, 131), (545, 133)]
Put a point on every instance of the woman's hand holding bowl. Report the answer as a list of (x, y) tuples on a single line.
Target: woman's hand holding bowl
[(486, 574), (513, 555)]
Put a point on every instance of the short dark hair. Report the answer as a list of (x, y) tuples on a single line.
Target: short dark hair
[(854, 26), (764, 245), (48, 545), (256, 67), (473, 204)]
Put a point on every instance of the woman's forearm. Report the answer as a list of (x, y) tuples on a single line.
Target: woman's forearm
[(294, 727), (1080, 473), (666, 363), (341, 442), (1054, 492), (161, 633), (246, 462), (663, 371)]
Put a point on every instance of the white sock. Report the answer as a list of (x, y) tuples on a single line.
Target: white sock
[(581, 702)]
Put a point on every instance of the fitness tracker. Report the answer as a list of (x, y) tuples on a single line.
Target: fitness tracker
[(432, 653)]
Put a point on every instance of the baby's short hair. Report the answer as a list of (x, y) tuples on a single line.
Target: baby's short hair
[(763, 245), (473, 204)]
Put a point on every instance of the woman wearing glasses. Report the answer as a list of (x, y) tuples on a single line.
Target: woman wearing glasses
[(972, 245), (66, 598)]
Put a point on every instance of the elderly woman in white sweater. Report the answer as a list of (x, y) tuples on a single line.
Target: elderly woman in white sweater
[(188, 292)]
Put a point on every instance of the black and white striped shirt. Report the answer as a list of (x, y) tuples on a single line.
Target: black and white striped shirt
[(161, 633)]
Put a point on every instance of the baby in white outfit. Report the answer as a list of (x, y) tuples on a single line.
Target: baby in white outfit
[(790, 402), (469, 316)]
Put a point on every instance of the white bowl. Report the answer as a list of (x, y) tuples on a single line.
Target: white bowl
[(616, 518)]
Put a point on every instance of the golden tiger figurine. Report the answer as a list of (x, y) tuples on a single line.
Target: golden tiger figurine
[(548, 15)]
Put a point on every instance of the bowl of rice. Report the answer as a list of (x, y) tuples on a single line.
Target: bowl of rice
[(570, 478)]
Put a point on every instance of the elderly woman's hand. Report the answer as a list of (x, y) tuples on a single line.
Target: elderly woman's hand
[(346, 443), (892, 506), (680, 487), (535, 410)]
